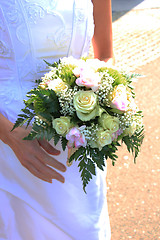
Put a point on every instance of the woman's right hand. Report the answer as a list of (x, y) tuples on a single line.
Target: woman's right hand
[(34, 154)]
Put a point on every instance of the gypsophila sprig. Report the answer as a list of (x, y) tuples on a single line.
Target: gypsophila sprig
[(87, 106)]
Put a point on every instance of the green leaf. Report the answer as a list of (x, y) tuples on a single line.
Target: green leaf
[(64, 143), (114, 110), (134, 143), (118, 77), (19, 122), (86, 165), (56, 137), (50, 133), (31, 136), (55, 64), (67, 75), (91, 167)]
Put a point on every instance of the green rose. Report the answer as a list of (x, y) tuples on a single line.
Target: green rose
[(131, 129), (62, 125), (93, 144), (85, 103), (104, 138), (109, 122)]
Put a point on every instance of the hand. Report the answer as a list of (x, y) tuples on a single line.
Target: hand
[(33, 156)]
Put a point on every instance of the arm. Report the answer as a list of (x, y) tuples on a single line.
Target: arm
[(102, 39), (32, 154)]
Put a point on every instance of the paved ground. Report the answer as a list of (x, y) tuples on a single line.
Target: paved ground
[(133, 190), (125, 5)]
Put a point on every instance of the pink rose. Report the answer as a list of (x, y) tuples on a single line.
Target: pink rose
[(88, 78), (75, 138), (119, 98), (120, 103)]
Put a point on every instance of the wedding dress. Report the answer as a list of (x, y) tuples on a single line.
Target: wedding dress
[(31, 209)]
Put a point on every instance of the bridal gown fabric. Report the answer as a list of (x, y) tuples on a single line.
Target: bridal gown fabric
[(31, 209)]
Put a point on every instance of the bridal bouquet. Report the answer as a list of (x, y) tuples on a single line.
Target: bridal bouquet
[(88, 107)]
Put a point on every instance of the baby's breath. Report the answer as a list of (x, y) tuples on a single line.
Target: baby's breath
[(66, 101), (125, 119), (90, 132), (105, 88), (128, 118), (139, 121)]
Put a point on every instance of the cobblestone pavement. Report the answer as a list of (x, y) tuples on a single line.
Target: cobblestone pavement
[(133, 189)]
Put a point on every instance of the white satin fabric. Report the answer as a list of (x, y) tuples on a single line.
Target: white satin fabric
[(30, 31)]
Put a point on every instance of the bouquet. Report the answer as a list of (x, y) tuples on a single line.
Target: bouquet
[(89, 107)]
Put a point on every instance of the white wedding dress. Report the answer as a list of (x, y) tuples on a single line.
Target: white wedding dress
[(31, 209)]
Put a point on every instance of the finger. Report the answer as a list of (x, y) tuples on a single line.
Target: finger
[(37, 174), (54, 163), (46, 159), (47, 171), (48, 147)]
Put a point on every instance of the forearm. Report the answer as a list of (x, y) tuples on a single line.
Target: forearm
[(102, 39), (5, 129)]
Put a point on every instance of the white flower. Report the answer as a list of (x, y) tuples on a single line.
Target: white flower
[(48, 76), (72, 61), (57, 85), (95, 64)]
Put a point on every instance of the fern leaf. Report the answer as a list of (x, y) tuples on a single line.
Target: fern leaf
[(64, 143)]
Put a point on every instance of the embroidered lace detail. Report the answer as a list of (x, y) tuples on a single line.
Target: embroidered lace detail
[(2, 27), (46, 4), (7, 95), (4, 50), (14, 16), (22, 34), (37, 9), (80, 15), (60, 38), (35, 13)]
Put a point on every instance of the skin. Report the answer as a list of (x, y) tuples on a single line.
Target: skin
[(33, 155), (102, 39)]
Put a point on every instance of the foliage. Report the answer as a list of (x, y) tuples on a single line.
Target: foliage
[(118, 77), (134, 142), (67, 75)]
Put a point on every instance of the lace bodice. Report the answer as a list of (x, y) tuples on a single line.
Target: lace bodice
[(35, 30)]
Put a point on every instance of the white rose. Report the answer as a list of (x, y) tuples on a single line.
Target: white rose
[(57, 85)]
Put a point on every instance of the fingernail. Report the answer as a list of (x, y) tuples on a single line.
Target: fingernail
[(61, 179), (64, 168)]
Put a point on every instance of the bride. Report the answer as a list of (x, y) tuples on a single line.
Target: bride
[(40, 198)]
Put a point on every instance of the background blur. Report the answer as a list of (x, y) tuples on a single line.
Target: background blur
[(134, 189)]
